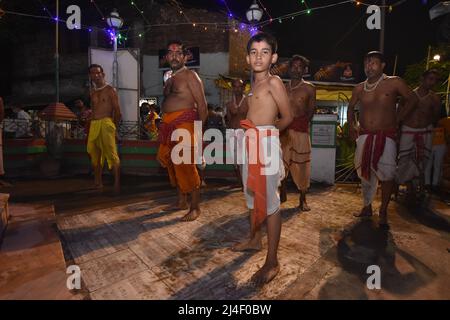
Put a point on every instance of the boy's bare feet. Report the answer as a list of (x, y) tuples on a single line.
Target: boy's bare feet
[(265, 274)]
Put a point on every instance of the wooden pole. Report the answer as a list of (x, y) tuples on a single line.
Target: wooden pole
[(446, 94), (395, 65), (383, 25), (57, 52)]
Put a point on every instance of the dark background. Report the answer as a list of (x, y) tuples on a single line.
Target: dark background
[(333, 34)]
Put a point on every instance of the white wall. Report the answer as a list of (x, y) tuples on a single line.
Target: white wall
[(323, 160), (211, 65), (128, 77)]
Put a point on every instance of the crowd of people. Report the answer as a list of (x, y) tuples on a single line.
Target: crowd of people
[(398, 134)]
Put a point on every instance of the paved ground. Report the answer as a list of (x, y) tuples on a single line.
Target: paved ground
[(130, 247)]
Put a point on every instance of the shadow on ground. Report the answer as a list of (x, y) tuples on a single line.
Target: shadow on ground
[(367, 245)]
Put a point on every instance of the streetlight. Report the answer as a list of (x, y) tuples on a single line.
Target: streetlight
[(254, 15), (436, 58), (115, 22)]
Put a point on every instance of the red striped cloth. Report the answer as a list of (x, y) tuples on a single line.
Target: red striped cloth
[(380, 142), (419, 140), (300, 124), (166, 129)]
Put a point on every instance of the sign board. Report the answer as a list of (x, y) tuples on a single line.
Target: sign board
[(324, 71), (323, 134)]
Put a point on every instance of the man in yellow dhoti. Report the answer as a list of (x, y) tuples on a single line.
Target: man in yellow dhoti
[(106, 115)]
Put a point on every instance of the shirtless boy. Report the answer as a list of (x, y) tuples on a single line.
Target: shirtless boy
[(267, 99)]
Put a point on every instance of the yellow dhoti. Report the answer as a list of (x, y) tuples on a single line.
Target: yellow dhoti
[(101, 143)]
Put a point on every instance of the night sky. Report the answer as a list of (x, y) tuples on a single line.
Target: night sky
[(332, 34), (340, 33)]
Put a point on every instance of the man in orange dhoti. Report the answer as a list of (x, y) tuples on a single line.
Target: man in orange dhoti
[(184, 102), (295, 140)]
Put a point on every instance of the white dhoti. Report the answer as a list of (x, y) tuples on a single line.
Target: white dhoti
[(273, 170), (414, 153), (435, 163), (385, 170)]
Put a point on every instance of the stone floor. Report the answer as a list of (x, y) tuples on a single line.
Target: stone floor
[(131, 247), (32, 264)]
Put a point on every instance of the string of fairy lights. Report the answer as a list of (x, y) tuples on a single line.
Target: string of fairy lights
[(232, 24)]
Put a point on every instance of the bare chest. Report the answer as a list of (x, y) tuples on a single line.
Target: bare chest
[(259, 95), (99, 98), (175, 86), (298, 97), (425, 107), (383, 96)]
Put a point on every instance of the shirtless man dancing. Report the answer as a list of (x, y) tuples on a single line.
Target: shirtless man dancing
[(237, 110), (417, 134), (268, 99), (376, 150), (184, 102), (106, 116), (295, 140)]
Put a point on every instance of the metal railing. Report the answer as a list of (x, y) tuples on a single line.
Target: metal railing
[(23, 129)]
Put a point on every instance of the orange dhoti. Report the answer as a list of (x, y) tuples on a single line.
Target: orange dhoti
[(296, 146), (184, 175)]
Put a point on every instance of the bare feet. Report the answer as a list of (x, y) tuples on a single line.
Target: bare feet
[(5, 184), (250, 245), (180, 205), (304, 206), (383, 223), (365, 212), (191, 215), (265, 274), (98, 186)]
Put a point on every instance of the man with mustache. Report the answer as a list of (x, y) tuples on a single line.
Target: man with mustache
[(184, 102), (376, 148)]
